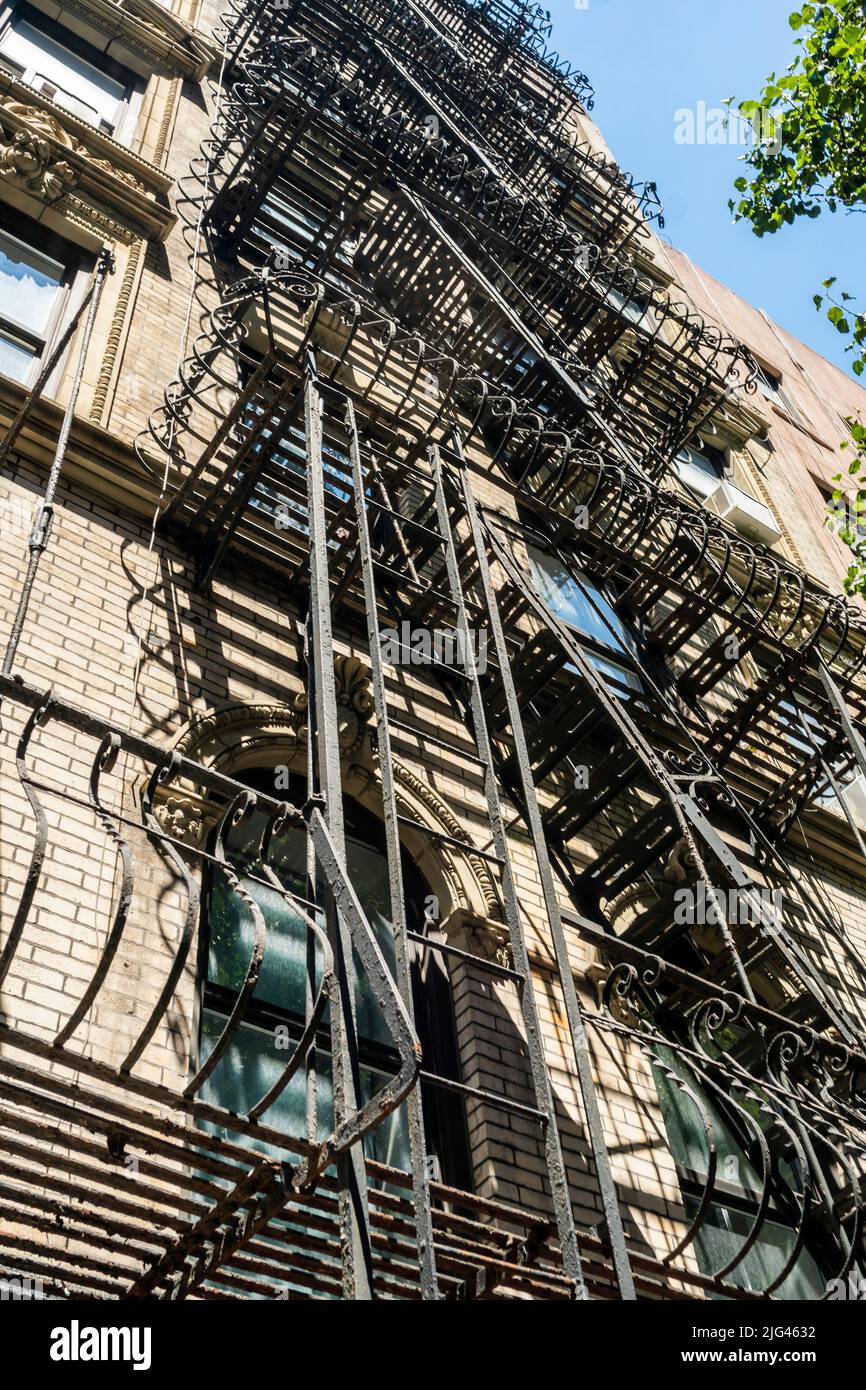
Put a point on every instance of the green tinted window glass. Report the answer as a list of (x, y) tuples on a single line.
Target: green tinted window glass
[(232, 930), (254, 1061)]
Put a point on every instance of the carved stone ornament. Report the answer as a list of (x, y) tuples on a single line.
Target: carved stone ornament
[(42, 123), (94, 187), (243, 736), (27, 159)]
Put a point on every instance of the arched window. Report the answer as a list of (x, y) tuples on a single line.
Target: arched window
[(275, 1016)]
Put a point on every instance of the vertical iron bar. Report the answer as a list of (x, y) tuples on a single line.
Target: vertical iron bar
[(351, 1171), (310, 1061), (534, 1038), (583, 1061), (415, 1118)]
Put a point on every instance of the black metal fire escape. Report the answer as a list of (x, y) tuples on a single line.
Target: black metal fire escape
[(427, 284)]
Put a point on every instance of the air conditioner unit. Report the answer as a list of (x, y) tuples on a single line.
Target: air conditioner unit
[(855, 797), (749, 516)]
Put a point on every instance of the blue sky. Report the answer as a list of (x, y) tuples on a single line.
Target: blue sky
[(647, 59)]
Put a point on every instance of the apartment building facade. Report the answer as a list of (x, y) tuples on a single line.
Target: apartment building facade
[(432, 763)]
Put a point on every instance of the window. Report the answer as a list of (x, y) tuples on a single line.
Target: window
[(770, 387), (64, 68), (634, 310), (805, 734), (701, 466), (584, 606), (738, 1186), (38, 274), (252, 1063)]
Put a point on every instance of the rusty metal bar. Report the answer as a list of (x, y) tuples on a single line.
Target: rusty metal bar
[(532, 1026), (565, 976), (415, 1119), (323, 726)]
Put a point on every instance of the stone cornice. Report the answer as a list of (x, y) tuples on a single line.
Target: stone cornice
[(95, 457), (51, 154), (145, 29)]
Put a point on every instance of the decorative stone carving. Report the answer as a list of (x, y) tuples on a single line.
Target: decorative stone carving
[(653, 896), (27, 160), (245, 735), (184, 818), (42, 123), (123, 174), (97, 190)]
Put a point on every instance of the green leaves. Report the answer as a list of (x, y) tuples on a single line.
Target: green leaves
[(817, 161)]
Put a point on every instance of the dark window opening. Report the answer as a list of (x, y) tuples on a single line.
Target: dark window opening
[(770, 387), (738, 1184), (253, 1061)]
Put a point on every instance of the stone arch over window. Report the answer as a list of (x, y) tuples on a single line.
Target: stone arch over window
[(240, 736), (241, 740)]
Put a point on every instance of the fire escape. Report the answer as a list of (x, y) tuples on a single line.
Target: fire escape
[(428, 281)]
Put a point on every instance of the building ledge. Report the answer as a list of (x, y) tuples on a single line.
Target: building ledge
[(54, 157), (142, 34), (96, 458)]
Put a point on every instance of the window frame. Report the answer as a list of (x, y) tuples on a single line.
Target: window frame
[(702, 478), (770, 385), (445, 1123), (126, 120), (790, 716), (731, 1197), (607, 655), (77, 264)]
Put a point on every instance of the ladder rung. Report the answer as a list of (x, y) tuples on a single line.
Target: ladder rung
[(440, 743), (488, 1097)]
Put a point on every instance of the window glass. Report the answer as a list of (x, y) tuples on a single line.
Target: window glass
[(62, 75), (30, 285), (15, 360), (738, 1186), (770, 387), (723, 1234), (634, 310), (705, 457), (804, 732), (253, 1060), (252, 1064), (281, 980), (581, 604)]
